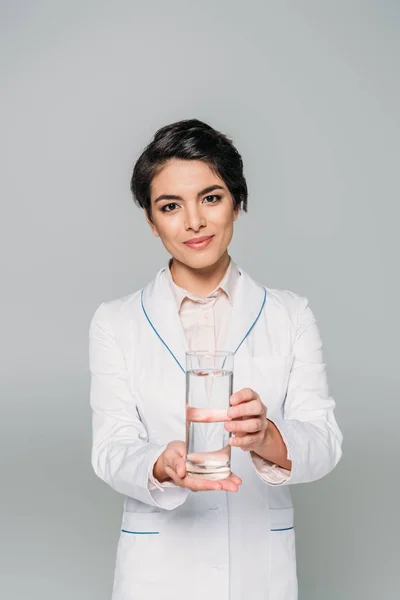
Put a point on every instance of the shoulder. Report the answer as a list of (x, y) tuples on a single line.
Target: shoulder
[(116, 312), (287, 306), (120, 314), (284, 300), (279, 302)]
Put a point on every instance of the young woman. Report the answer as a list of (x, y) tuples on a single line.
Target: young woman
[(234, 538)]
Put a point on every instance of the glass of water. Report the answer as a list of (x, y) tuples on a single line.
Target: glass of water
[(209, 377)]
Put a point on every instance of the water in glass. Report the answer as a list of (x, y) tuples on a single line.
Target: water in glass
[(208, 451)]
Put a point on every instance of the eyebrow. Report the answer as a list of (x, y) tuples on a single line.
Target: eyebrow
[(206, 190)]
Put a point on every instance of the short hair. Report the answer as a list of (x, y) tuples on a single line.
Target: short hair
[(189, 139)]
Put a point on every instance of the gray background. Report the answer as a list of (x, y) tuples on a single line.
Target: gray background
[(309, 91)]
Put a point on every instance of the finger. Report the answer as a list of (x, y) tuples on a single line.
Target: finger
[(180, 448), (180, 467), (174, 476), (176, 462), (229, 486), (246, 409), (201, 485), (246, 426), (243, 395), (246, 441), (235, 479), (231, 483)]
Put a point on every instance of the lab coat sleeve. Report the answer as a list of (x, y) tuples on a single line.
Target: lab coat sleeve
[(122, 456), (307, 426)]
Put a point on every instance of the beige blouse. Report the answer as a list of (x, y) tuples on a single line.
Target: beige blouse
[(206, 320)]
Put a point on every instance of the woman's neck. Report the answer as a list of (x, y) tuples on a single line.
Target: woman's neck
[(199, 282)]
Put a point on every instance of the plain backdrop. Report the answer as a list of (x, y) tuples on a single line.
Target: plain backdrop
[(309, 93)]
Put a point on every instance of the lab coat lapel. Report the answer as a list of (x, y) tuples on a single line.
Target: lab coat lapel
[(248, 302), (160, 309)]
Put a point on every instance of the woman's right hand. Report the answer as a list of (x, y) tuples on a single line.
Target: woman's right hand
[(171, 466)]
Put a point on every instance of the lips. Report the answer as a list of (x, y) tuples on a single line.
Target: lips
[(200, 242)]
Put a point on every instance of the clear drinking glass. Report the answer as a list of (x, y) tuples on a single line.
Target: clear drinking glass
[(209, 377)]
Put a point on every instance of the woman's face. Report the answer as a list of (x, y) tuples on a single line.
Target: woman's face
[(189, 201)]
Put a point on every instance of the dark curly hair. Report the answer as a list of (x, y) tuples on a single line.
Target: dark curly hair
[(190, 139)]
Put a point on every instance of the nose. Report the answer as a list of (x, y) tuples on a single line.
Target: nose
[(194, 218)]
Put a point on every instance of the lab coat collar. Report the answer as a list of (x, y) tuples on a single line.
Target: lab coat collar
[(160, 309), (227, 285)]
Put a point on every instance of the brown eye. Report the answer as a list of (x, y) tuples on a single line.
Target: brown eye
[(168, 207), (214, 198)]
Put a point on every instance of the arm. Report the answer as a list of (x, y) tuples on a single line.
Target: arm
[(308, 429), (122, 456), (274, 449)]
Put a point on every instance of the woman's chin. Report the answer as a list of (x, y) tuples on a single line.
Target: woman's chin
[(201, 260)]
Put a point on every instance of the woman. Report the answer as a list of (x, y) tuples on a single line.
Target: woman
[(234, 538)]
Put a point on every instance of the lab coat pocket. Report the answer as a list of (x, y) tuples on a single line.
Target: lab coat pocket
[(283, 572), (140, 553), (154, 550)]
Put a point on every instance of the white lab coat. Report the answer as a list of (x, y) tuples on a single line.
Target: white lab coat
[(217, 545)]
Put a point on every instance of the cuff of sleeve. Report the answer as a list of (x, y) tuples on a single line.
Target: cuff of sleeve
[(269, 472)]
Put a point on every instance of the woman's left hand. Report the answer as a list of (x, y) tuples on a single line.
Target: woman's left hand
[(249, 422)]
